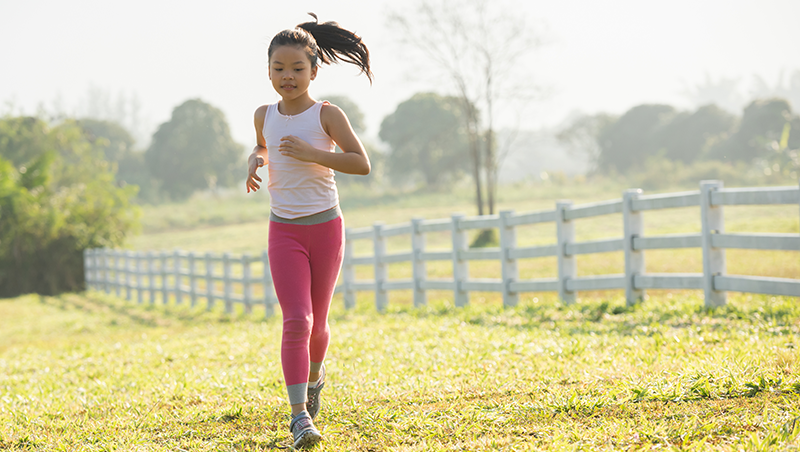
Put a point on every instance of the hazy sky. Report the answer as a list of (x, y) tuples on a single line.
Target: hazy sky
[(602, 56)]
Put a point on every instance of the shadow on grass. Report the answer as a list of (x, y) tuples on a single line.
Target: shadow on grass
[(613, 316), (148, 315)]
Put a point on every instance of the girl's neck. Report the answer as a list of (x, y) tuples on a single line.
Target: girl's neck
[(291, 107)]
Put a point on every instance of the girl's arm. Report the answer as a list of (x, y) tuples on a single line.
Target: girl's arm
[(259, 156), (352, 160)]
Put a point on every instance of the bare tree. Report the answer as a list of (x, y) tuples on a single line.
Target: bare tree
[(481, 47)]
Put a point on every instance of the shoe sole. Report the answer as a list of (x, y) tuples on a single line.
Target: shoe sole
[(307, 440)]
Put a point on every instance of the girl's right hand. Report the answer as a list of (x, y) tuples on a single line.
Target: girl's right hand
[(252, 176)]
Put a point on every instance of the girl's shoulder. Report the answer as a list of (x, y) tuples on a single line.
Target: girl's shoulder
[(331, 116), (329, 111), (261, 112)]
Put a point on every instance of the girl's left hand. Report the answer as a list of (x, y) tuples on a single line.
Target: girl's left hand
[(292, 146)]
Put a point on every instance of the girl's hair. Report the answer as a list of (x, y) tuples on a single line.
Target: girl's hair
[(325, 43)]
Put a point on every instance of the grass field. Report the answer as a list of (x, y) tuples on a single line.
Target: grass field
[(90, 371)]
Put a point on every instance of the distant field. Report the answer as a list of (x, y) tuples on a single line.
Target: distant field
[(92, 372)]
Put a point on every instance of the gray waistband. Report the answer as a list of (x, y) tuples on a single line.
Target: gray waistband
[(317, 218)]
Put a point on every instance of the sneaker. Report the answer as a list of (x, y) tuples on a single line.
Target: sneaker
[(314, 397), (303, 430)]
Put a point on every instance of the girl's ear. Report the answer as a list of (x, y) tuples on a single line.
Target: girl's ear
[(314, 72)]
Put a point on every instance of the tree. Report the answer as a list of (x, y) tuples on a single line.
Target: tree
[(689, 135), (117, 146), (760, 89), (473, 43), (194, 150), (427, 137), (57, 201), (581, 135), (634, 137), (23, 139), (763, 123), (113, 139)]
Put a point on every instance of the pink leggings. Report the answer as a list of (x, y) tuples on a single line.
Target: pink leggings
[(305, 261)]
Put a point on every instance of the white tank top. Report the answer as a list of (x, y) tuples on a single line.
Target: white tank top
[(298, 189)]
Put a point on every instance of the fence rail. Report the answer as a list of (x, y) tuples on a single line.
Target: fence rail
[(231, 278)]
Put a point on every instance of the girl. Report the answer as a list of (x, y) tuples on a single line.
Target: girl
[(296, 138)]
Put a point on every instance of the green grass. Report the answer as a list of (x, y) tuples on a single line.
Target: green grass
[(94, 372)]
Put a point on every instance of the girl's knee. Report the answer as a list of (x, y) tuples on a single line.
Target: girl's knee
[(298, 328), (319, 329)]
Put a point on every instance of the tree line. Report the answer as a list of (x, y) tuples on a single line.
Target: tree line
[(766, 136)]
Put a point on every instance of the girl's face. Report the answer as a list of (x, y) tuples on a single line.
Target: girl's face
[(291, 71)]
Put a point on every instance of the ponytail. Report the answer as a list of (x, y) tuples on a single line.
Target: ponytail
[(326, 43)]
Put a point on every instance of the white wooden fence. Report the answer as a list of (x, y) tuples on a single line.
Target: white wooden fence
[(175, 273)]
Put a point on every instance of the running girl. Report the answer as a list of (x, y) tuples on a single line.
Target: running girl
[(296, 138)]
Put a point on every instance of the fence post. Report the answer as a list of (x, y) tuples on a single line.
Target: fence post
[(209, 282), (117, 273), (164, 276), (460, 265), (246, 287), (98, 268), (419, 269), (108, 260), (633, 226), (139, 292), (128, 257), (509, 270), (269, 291), (104, 266), (110, 274), (98, 282), (192, 279), (106, 270), (151, 275), (567, 265), (713, 222), (381, 270), (226, 268), (176, 263)]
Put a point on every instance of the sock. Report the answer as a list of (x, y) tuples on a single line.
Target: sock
[(316, 367)]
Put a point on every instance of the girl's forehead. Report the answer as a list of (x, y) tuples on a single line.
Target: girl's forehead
[(289, 54)]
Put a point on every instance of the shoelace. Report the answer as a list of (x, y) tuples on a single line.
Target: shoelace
[(302, 423)]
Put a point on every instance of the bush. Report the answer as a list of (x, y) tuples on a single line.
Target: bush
[(56, 201)]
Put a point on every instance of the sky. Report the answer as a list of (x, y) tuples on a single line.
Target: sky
[(598, 57)]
